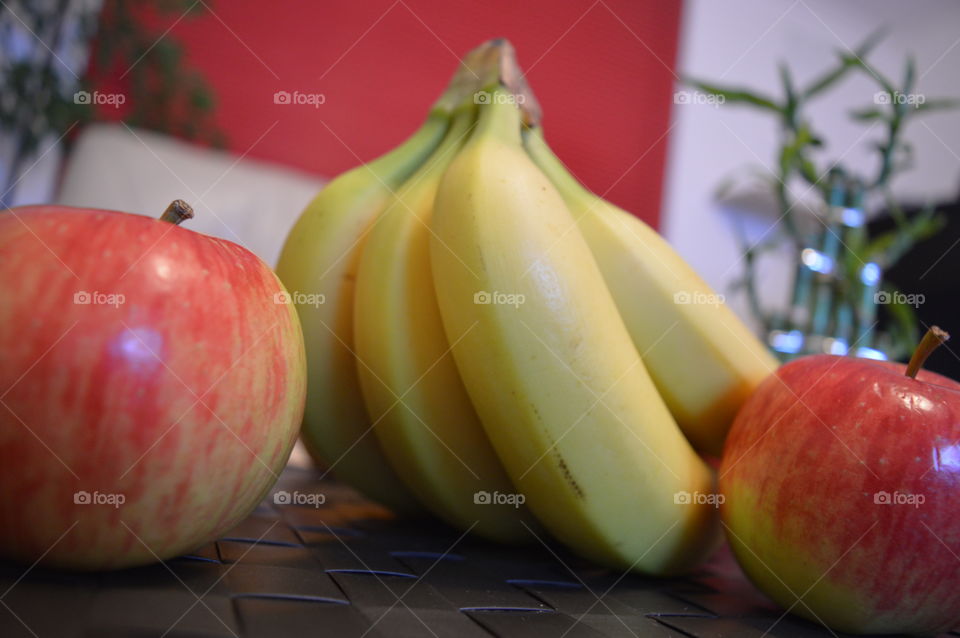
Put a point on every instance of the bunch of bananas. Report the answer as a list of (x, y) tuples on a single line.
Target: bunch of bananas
[(490, 341)]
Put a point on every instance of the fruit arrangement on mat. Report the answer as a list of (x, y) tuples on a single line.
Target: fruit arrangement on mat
[(477, 338), (503, 348), (478, 349)]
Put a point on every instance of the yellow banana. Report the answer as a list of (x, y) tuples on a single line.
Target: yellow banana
[(424, 420), (549, 365), (318, 266), (704, 361)]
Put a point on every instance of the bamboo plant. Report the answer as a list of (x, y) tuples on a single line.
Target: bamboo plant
[(838, 279)]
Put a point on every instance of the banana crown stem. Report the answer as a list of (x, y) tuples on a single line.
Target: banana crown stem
[(464, 121), (499, 117), (474, 70), (393, 168)]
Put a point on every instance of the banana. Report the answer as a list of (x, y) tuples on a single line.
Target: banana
[(560, 389), (318, 266), (704, 361), (422, 415)]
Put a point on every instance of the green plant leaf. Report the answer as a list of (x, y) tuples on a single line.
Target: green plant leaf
[(736, 95), (848, 60), (809, 171), (936, 104), (869, 115), (201, 98), (909, 75), (790, 95), (827, 80), (887, 248)]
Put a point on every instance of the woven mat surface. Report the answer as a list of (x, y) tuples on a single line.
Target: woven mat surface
[(345, 568)]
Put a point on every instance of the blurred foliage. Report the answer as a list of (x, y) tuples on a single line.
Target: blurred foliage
[(843, 304), (39, 98), (164, 93)]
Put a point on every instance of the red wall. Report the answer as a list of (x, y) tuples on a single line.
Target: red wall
[(602, 72)]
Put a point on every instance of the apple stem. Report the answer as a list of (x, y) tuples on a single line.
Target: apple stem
[(177, 212), (930, 342)]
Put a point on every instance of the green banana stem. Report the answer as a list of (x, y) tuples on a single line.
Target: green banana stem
[(492, 67), (474, 72), (393, 168), (480, 66), (499, 117), (463, 121), (553, 168)]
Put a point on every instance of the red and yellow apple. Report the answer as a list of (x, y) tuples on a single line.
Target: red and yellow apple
[(841, 480), (151, 386)]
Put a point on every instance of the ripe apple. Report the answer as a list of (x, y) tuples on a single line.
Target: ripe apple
[(151, 386), (841, 480)]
